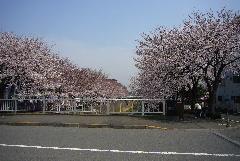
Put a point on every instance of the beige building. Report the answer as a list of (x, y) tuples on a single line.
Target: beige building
[(228, 94)]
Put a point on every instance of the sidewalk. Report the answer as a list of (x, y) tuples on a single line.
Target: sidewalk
[(146, 122)]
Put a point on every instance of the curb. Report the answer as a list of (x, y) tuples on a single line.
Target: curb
[(78, 125), (227, 139), (52, 113)]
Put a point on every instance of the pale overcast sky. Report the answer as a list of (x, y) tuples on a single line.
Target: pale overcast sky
[(99, 34)]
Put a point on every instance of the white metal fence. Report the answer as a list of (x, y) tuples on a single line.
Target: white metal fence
[(87, 106)]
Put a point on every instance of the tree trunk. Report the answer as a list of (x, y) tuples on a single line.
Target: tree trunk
[(194, 96), (211, 102), (212, 98), (2, 90)]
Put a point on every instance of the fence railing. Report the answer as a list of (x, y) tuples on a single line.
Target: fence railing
[(92, 106)]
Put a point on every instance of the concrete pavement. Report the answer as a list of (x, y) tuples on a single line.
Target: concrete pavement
[(44, 137), (97, 144), (113, 121)]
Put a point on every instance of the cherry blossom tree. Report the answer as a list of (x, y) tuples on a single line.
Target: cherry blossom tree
[(202, 50), (162, 69), (31, 67), (216, 46)]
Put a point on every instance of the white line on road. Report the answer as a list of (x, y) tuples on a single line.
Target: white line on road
[(121, 151)]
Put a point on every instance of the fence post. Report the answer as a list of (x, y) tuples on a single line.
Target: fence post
[(142, 108), (164, 107), (100, 107), (91, 108), (120, 107), (108, 107), (44, 104), (15, 106), (75, 107), (132, 108)]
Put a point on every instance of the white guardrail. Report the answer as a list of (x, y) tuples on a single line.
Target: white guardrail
[(93, 106)]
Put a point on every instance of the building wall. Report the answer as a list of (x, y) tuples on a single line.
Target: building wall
[(228, 94)]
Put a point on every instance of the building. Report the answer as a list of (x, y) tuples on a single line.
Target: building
[(228, 94)]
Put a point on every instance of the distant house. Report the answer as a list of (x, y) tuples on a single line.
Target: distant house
[(228, 94)]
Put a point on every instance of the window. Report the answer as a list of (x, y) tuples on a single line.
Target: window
[(237, 99), (220, 98), (236, 79)]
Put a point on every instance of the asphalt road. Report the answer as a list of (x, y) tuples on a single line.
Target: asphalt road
[(61, 143)]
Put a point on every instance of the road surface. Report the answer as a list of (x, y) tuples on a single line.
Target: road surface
[(93, 144)]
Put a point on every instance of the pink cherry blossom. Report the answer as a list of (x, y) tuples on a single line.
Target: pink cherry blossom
[(202, 50), (35, 70)]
